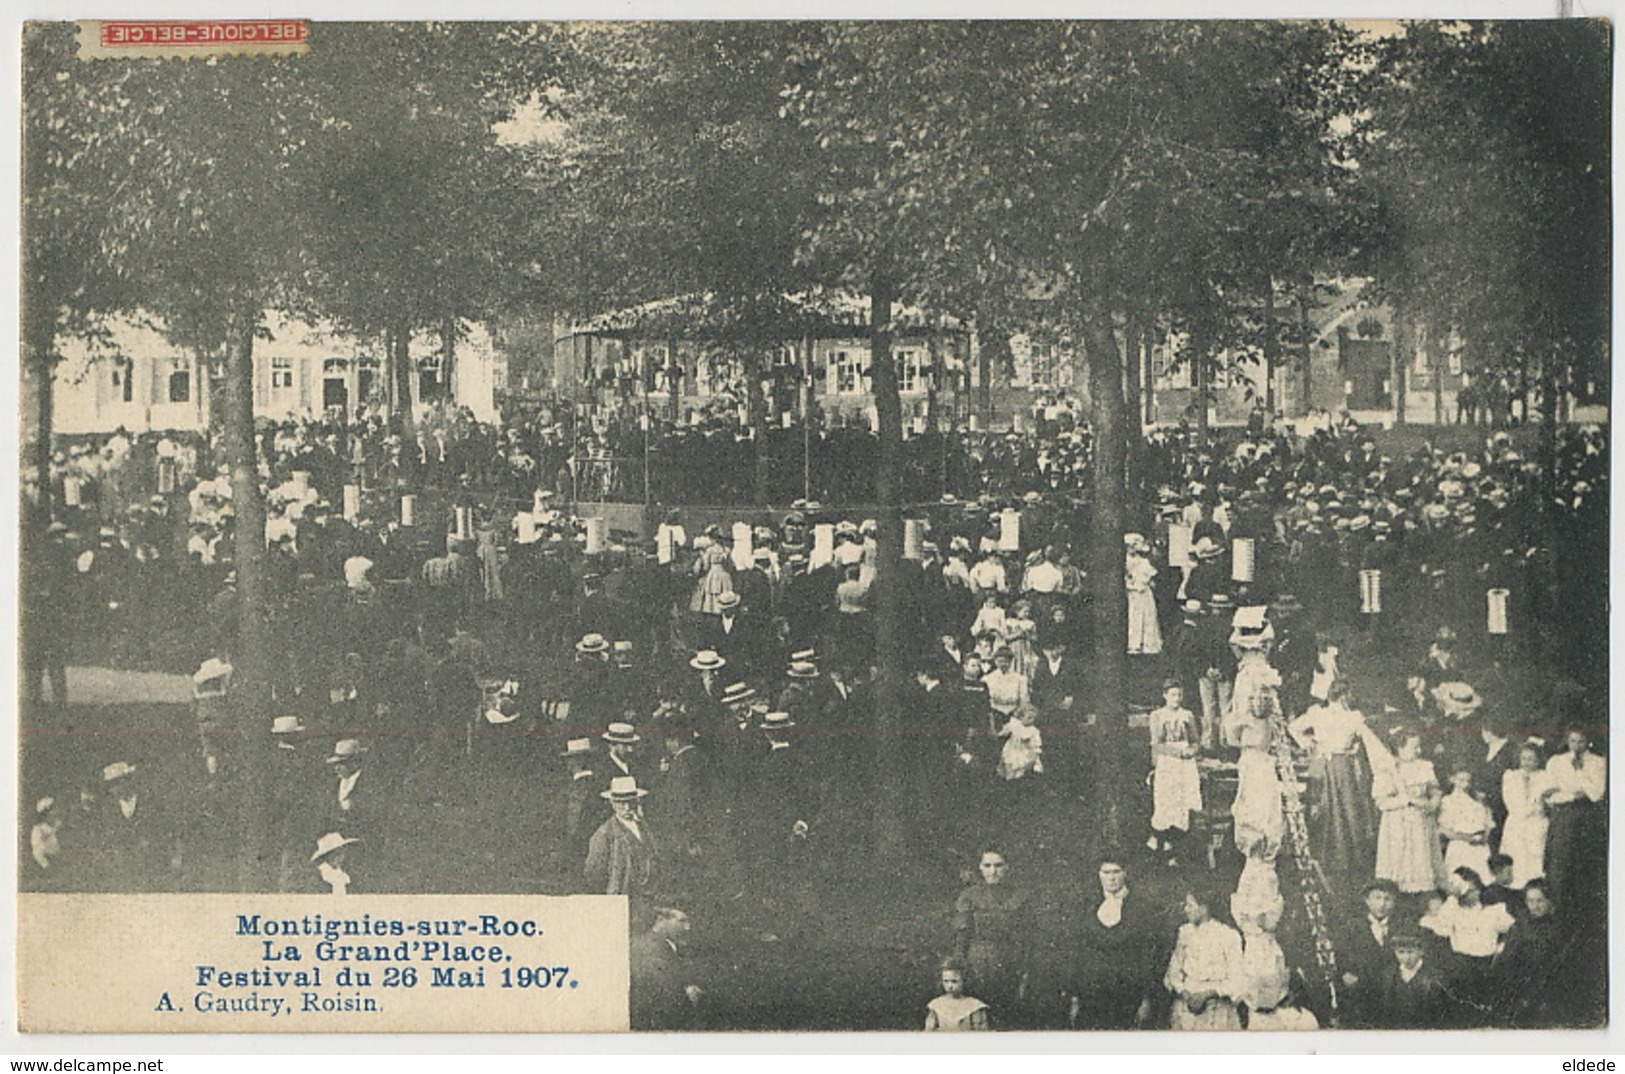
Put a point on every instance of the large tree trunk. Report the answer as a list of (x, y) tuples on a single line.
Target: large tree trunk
[(1203, 379), (250, 688), (42, 365), (1117, 778), (448, 360), (890, 839), (1134, 339), (756, 418), (1148, 381), (984, 387), (1404, 351), (1436, 362), (933, 345), (1308, 354), (674, 383), (400, 371), (1269, 350)]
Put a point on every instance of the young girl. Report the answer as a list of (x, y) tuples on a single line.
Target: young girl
[(1526, 790), (1407, 794), (1023, 751), (1202, 973), (1020, 633), (1176, 785), (1466, 824), (990, 617), (953, 1011)]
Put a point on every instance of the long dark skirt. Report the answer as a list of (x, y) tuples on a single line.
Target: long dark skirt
[(1344, 823)]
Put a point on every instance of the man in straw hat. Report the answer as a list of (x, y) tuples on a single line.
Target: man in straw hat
[(622, 741), (136, 846), (622, 853)]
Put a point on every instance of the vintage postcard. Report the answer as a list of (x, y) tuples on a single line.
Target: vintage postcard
[(816, 526)]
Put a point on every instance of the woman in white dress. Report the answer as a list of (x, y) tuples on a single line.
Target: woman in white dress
[(1255, 707), (1176, 782), (1007, 688), (1526, 790), (1144, 632)]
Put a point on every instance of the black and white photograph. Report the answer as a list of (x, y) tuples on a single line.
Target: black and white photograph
[(1015, 526)]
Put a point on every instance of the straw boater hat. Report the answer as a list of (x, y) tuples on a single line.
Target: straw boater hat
[(728, 600), (330, 842), (286, 725), (803, 669), (592, 643), (623, 789), (346, 749), (620, 734), (117, 770), (707, 660), (576, 747), (1206, 549), (1459, 698), (1220, 602), (734, 693), (777, 721)]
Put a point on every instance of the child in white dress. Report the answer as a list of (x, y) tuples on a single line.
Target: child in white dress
[(1466, 824), (953, 1011), (1023, 751)]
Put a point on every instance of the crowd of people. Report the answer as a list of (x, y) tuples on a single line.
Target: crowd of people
[(1336, 678)]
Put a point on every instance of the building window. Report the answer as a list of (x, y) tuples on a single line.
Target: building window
[(1041, 365), (848, 373), (1454, 360), (784, 356), (911, 375), (653, 366), (281, 374), (124, 379), (334, 367), (180, 386)]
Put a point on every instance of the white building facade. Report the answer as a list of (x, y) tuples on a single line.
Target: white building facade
[(131, 375)]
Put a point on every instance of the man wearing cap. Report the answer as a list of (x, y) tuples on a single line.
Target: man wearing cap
[(622, 853), (784, 797), (1216, 682), (349, 797), (733, 633), (628, 682), (1409, 992), (294, 791), (581, 804), (592, 702), (683, 811), (136, 845), (46, 598), (621, 745), (1365, 949), (756, 584), (1058, 690)]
